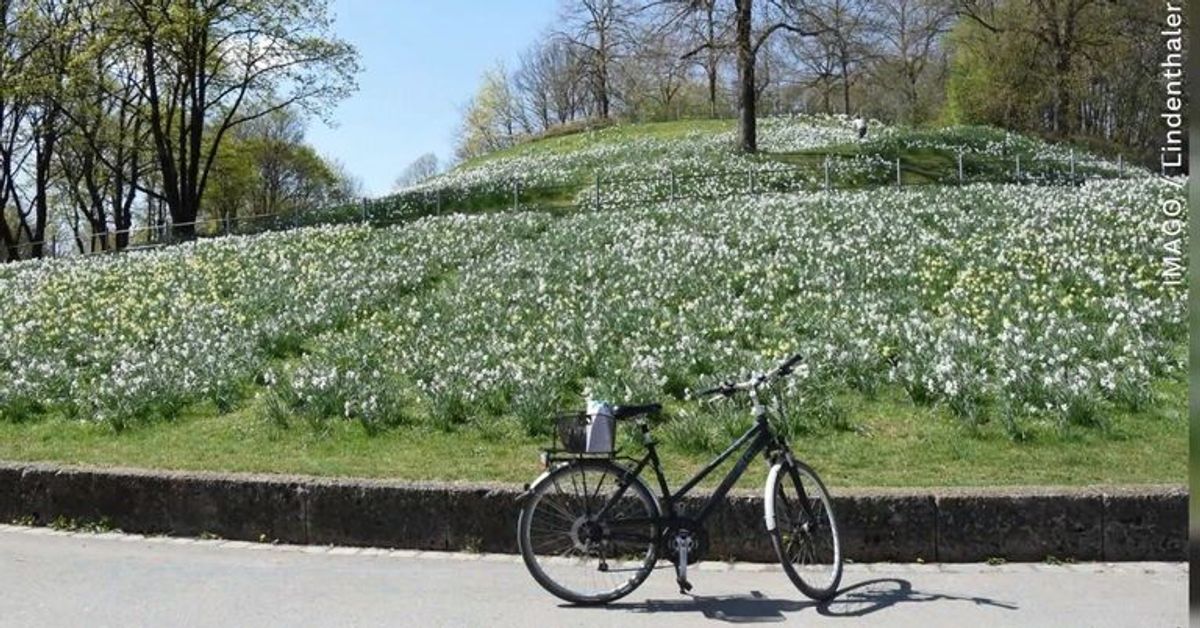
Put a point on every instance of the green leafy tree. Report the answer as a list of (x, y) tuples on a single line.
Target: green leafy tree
[(489, 118), (210, 66), (38, 39), (266, 170), (104, 162)]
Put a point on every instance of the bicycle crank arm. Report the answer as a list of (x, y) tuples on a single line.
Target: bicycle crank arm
[(681, 570)]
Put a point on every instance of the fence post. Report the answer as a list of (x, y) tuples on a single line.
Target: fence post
[(672, 186), (597, 191), (960, 170), (1120, 166), (516, 193), (1072, 157), (1018, 168), (363, 205), (439, 200), (897, 171), (751, 183), (54, 245), (827, 172)]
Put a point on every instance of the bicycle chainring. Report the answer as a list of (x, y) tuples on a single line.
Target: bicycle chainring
[(685, 531)]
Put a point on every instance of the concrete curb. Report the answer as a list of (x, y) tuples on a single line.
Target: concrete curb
[(951, 525)]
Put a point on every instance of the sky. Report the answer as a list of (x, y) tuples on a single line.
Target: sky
[(422, 60)]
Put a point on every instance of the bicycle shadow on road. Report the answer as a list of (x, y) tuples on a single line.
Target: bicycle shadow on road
[(870, 596), (856, 600)]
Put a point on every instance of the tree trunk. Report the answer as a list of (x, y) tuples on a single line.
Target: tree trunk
[(602, 96), (711, 67), (712, 90), (183, 219), (845, 89), (747, 125), (602, 74), (41, 204), (1062, 105), (11, 252)]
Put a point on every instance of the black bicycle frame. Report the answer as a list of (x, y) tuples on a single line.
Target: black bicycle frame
[(760, 438)]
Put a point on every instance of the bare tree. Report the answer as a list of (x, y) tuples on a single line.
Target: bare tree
[(420, 169), (708, 27), (816, 60), (909, 31), (568, 87), (533, 83), (550, 86), (846, 29), (600, 29), (654, 74)]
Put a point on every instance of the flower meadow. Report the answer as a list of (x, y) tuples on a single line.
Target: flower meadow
[(123, 337), (626, 166), (1014, 303)]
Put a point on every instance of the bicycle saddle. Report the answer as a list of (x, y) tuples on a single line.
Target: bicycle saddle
[(627, 412)]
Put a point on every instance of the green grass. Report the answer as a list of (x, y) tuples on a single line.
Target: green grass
[(920, 165), (612, 134), (889, 442)]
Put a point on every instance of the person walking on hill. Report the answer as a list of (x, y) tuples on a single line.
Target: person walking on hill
[(860, 125)]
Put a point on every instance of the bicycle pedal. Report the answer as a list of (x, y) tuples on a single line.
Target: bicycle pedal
[(684, 587)]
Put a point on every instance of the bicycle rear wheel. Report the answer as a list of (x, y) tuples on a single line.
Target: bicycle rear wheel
[(578, 555), (803, 529)]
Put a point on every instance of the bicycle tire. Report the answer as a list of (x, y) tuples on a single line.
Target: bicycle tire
[(551, 512), (806, 546)]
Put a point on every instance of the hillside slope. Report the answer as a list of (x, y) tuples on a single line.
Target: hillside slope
[(1023, 327), (632, 164), (998, 301)]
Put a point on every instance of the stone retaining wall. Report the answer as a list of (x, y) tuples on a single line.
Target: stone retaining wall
[(959, 525)]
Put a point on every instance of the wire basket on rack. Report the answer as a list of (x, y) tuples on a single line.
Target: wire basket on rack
[(572, 431), (580, 433)]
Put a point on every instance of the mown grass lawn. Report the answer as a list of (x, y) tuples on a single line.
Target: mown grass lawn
[(890, 443)]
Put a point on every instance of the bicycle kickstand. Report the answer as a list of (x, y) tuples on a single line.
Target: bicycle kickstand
[(681, 570)]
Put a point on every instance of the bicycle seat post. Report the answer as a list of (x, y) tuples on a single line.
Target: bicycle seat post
[(644, 426)]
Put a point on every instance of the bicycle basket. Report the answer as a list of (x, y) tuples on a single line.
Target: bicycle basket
[(581, 433), (572, 431)]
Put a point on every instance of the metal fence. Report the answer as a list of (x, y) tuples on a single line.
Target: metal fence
[(822, 172)]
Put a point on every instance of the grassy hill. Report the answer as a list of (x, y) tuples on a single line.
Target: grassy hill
[(956, 333), (635, 164)]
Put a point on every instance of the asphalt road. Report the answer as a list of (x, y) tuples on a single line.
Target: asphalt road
[(50, 578)]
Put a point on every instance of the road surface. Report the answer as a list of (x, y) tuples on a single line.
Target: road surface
[(51, 578)]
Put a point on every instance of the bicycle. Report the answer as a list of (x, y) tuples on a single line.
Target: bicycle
[(610, 538)]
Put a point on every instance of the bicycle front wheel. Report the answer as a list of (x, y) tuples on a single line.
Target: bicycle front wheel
[(801, 523), (578, 553)]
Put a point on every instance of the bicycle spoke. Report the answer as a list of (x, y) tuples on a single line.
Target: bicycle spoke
[(599, 484), (805, 532), (590, 557), (587, 503)]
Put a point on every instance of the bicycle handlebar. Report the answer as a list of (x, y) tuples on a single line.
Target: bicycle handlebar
[(728, 388)]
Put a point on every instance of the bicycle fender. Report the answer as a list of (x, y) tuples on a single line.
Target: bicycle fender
[(769, 497), (529, 488)]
